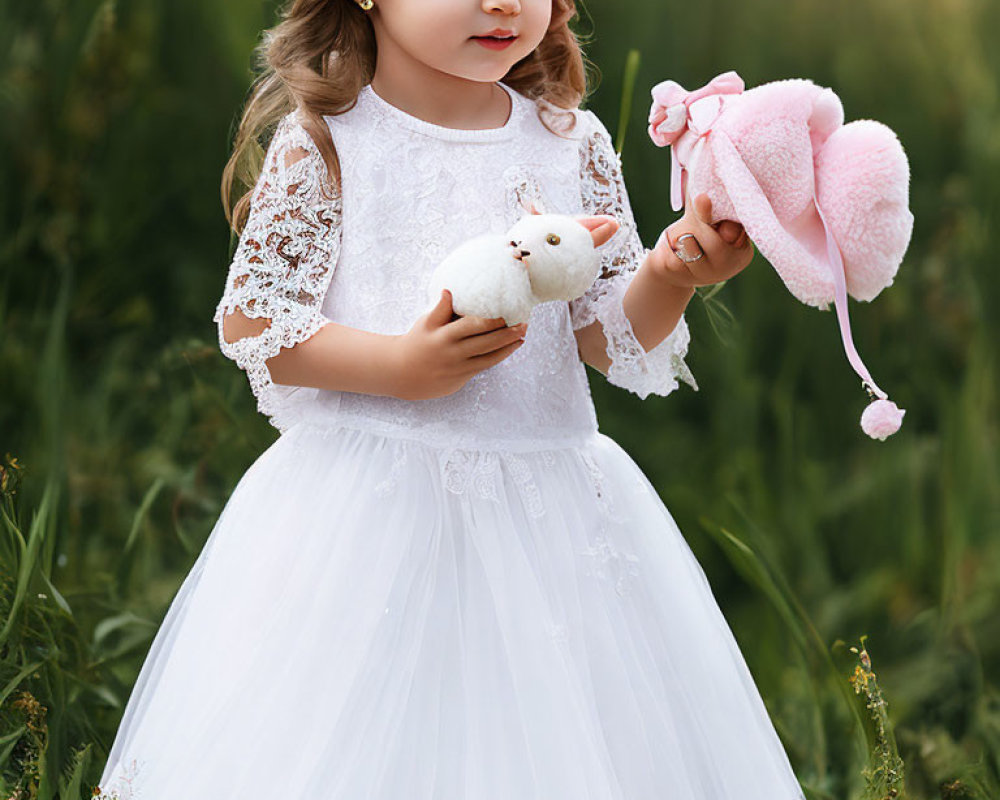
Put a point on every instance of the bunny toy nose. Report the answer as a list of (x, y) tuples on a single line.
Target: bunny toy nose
[(519, 252)]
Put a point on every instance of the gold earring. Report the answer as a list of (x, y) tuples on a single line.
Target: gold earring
[(366, 4)]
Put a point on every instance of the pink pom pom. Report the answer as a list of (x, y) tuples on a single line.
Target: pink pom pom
[(881, 419)]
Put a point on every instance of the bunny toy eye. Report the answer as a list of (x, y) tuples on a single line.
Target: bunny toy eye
[(552, 239)]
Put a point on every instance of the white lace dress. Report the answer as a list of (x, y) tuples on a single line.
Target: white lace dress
[(474, 597)]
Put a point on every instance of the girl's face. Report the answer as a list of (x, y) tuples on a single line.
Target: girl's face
[(441, 34)]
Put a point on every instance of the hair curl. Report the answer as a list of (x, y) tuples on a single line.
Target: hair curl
[(322, 53)]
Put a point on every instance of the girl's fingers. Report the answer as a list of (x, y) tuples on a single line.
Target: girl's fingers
[(472, 326), (703, 209), (708, 237), (687, 248), (722, 237), (473, 346), (665, 248), (695, 233), (441, 313), (730, 232), (479, 363)]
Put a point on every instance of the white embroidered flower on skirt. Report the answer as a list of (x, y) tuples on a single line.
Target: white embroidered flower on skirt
[(557, 632), (609, 563), (482, 472), (123, 787)]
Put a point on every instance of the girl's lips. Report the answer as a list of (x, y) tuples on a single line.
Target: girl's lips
[(494, 43)]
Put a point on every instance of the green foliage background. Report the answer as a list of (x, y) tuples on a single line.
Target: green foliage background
[(131, 430)]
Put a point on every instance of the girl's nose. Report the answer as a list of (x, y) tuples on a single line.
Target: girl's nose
[(507, 6)]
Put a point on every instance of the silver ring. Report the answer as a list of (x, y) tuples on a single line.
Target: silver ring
[(684, 256)]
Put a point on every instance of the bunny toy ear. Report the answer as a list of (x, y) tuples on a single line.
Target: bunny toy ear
[(601, 226), (532, 206)]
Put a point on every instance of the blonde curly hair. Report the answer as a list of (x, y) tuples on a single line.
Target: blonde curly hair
[(321, 54)]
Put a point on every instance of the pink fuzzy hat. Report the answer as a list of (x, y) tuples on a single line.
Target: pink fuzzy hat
[(826, 203)]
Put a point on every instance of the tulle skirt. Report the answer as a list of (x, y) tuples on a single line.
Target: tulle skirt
[(363, 625)]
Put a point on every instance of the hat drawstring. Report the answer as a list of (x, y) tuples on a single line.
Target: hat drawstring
[(840, 300), (882, 417)]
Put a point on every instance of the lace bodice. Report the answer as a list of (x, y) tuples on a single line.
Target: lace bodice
[(361, 255)]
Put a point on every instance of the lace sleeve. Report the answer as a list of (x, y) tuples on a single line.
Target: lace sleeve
[(284, 260), (603, 192)]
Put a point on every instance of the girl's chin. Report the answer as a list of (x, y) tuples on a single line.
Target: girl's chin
[(490, 73)]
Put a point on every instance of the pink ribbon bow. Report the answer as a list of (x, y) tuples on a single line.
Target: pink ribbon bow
[(675, 111)]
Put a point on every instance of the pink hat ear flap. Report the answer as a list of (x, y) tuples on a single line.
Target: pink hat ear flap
[(862, 184), (807, 278)]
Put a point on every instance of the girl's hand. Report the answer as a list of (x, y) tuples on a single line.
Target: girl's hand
[(438, 355), (727, 248)]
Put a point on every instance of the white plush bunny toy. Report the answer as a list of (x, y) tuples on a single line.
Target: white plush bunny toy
[(541, 257)]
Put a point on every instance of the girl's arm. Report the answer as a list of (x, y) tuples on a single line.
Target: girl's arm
[(659, 293), (649, 357), (654, 308), (437, 356), (630, 324), (336, 357)]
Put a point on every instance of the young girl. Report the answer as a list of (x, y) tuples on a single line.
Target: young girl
[(441, 582)]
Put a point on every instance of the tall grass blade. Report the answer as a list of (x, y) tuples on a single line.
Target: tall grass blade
[(72, 784), (14, 682), (752, 564), (628, 89), (147, 501), (29, 559)]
